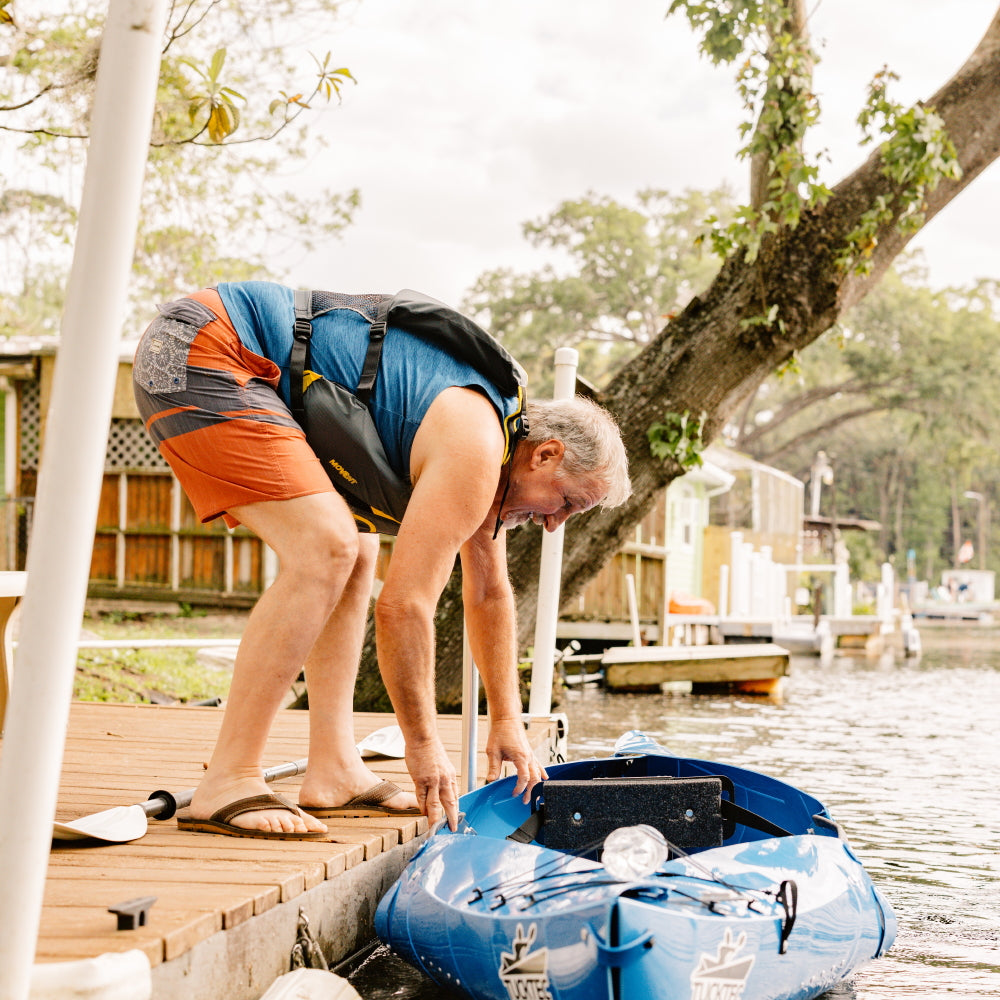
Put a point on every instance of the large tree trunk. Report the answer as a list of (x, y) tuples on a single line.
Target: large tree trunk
[(707, 361)]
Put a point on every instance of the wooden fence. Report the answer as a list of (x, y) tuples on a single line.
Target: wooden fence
[(148, 543), (644, 556)]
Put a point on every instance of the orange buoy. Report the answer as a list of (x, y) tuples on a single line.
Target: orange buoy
[(688, 604), (763, 686)]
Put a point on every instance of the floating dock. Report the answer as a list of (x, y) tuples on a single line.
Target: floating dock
[(756, 667), (228, 911), (798, 636)]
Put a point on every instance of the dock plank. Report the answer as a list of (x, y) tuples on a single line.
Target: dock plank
[(335, 857), (291, 876), (232, 901), (118, 754), (75, 932), (371, 840)]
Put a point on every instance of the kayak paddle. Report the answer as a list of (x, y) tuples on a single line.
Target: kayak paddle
[(123, 823)]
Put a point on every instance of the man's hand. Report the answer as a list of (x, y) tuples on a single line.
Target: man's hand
[(435, 781), (508, 741)]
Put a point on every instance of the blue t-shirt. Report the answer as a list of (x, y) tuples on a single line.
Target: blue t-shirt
[(411, 374)]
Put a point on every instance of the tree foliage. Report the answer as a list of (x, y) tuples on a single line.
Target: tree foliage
[(628, 269), (229, 129), (903, 387), (903, 348), (784, 280)]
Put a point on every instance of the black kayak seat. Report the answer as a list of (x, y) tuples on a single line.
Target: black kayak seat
[(690, 812)]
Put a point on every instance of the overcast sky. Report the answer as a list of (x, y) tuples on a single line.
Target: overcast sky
[(472, 116)]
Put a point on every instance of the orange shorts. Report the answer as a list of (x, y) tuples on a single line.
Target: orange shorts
[(213, 410)]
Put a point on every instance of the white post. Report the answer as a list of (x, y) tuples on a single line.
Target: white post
[(633, 609), (550, 570), (755, 589), (842, 591), (780, 584), (889, 589), (70, 477), (470, 714), (747, 574), (724, 590), (739, 604), (766, 584)]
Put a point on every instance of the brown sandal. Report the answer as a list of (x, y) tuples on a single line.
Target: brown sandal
[(219, 821), (367, 804)]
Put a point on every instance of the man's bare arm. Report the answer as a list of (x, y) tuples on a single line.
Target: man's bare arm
[(490, 614), (456, 462)]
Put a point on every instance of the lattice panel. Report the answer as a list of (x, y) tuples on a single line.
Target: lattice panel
[(31, 421), (131, 448)]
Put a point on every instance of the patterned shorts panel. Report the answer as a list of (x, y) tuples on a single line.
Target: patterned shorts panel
[(212, 409)]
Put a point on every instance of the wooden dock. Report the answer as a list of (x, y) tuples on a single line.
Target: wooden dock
[(756, 667), (228, 911)]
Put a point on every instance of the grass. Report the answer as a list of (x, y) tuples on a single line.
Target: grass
[(159, 674)]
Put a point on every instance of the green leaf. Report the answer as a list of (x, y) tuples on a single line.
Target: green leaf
[(218, 60)]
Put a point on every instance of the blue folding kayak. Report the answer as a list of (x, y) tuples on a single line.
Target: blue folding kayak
[(759, 897)]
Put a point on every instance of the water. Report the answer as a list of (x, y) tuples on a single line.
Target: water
[(902, 751)]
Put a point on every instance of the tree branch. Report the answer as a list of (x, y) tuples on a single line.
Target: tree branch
[(31, 100), (825, 427), (761, 171), (969, 104), (851, 387)]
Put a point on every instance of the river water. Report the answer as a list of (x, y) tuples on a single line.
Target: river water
[(904, 752)]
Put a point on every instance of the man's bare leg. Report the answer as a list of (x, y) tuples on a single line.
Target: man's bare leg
[(316, 542), (337, 771)]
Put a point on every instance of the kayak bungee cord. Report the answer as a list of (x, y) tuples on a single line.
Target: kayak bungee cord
[(785, 895)]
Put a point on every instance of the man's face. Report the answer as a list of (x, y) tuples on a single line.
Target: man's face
[(539, 491)]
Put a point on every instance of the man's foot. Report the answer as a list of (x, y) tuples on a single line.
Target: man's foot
[(214, 795), (373, 801), (221, 820), (360, 794)]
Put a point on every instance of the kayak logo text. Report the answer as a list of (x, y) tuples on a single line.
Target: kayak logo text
[(722, 976), (525, 972)]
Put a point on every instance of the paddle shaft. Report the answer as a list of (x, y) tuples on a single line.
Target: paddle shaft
[(162, 804)]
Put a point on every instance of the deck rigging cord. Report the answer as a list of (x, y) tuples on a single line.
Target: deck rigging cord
[(785, 895)]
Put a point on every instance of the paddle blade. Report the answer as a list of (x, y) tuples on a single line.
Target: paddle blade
[(385, 742), (114, 826)]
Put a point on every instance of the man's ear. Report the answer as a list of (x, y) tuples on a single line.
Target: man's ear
[(548, 451)]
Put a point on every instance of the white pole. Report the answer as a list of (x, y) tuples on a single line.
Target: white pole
[(889, 586), (70, 477), (758, 584), (842, 591), (633, 609), (724, 590), (747, 563), (470, 714), (739, 577), (550, 570)]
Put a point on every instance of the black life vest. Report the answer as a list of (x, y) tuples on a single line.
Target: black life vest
[(338, 423)]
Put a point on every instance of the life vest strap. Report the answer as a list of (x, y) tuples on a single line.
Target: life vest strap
[(376, 337), (299, 360)]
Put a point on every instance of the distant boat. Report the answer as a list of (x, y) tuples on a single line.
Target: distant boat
[(754, 893)]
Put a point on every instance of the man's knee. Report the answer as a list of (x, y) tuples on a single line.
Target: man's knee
[(368, 549), (324, 558), (337, 548)]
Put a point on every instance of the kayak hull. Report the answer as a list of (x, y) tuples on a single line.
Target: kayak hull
[(760, 916)]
